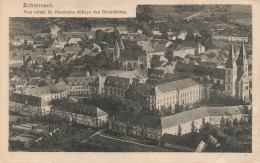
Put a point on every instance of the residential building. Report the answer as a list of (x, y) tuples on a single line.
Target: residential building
[(116, 85), (49, 92), (80, 85), (88, 115), (28, 105), (182, 51)]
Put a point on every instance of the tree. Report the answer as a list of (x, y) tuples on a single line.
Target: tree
[(179, 130), (99, 36), (222, 122), (203, 122), (164, 34), (192, 126), (235, 123)]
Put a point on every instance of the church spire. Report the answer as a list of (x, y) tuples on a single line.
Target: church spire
[(242, 59), (231, 62)]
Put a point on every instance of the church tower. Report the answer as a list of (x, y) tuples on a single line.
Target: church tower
[(231, 74), (116, 52), (242, 63), (242, 74)]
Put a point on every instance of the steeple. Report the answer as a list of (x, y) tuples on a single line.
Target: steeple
[(242, 59), (116, 47), (231, 62), (121, 44)]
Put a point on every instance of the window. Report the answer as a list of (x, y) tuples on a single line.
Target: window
[(228, 79), (228, 87)]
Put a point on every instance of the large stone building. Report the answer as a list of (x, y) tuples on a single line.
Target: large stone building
[(236, 75), (148, 127), (180, 92)]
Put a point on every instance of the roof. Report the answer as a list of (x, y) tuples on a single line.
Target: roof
[(138, 119), (78, 73), (113, 81), (82, 79), (159, 48), (177, 85), (49, 89), (88, 110), (131, 54), (155, 73), (27, 99), (137, 73), (199, 113)]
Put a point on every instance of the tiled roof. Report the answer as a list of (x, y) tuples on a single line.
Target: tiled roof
[(27, 100), (88, 110), (113, 81), (84, 80), (177, 85), (49, 89)]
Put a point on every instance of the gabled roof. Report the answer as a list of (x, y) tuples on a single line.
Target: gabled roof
[(88, 110), (119, 82), (27, 100), (84, 79), (155, 73)]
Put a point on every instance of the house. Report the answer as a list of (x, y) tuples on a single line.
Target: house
[(21, 83), (28, 105), (49, 92), (129, 58), (41, 37), (58, 43), (156, 32), (80, 85), (116, 85), (137, 75), (24, 39), (16, 42), (122, 30), (88, 115), (182, 51), (74, 40), (129, 123)]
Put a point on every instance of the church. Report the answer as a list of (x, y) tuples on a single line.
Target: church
[(236, 74)]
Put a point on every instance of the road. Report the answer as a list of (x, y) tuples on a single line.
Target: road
[(93, 135)]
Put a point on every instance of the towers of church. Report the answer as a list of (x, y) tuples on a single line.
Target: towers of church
[(236, 74), (231, 73), (117, 49)]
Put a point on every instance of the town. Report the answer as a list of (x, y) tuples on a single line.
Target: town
[(173, 79)]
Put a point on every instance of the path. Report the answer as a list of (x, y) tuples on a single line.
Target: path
[(93, 135), (127, 141)]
